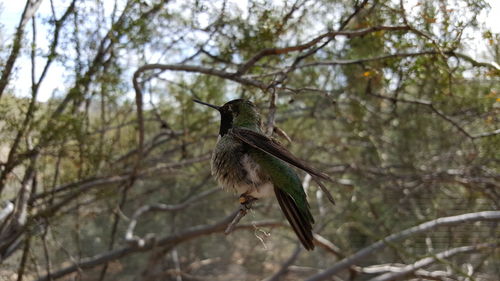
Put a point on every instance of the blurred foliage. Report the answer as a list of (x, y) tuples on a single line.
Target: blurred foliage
[(401, 135)]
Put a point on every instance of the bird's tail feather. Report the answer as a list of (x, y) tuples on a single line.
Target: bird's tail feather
[(299, 221)]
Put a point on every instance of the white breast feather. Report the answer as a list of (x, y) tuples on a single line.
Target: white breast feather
[(259, 189)]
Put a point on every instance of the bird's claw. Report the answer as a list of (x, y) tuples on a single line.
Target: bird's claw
[(247, 200)]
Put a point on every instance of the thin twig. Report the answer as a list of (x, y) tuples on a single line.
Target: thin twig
[(24, 258), (116, 220), (324, 189), (272, 111), (48, 262)]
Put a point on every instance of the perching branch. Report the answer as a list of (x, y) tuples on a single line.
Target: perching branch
[(236, 219), (242, 211)]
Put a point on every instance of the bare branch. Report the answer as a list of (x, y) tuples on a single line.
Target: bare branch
[(378, 58), (80, 87), (474, 62), (86, 184), (202, 70), (431, 106), (377, 246), (175, 239), (284, 267), (55, 42), (418, 32), (327, 245), (34, 89), (401, 55), (409, 269), (396, 267), (486, 134), (279, 51), (357, 9), (46, 251), (129, 234), (29, 10), (448, 119), (22, 265)]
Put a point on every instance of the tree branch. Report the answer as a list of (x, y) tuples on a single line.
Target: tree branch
[(129, 234), (174, 239), (379, 245), (199, 69), (409, 269), (29, 10), (431, 106), (284, 267), (279, 51), (402, 55)]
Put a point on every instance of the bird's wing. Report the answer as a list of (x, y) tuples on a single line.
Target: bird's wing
[(267, 145), (289, 193)]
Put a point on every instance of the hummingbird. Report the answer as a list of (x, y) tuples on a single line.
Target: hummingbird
[(247, 162)]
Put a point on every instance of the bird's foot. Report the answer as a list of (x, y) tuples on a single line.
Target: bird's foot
[(247, 200), (246, 204)]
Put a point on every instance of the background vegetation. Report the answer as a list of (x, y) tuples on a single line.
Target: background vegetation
[(109, 179)]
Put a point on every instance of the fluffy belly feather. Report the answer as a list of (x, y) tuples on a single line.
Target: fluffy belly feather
[(261, 191), (241, 174)]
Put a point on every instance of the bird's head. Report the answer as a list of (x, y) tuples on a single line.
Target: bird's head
[(239, 113)]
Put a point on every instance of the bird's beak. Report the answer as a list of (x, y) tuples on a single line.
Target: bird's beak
[(207, 104)]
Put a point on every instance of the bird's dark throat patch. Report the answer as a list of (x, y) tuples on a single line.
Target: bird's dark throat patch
[(226, 122)]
